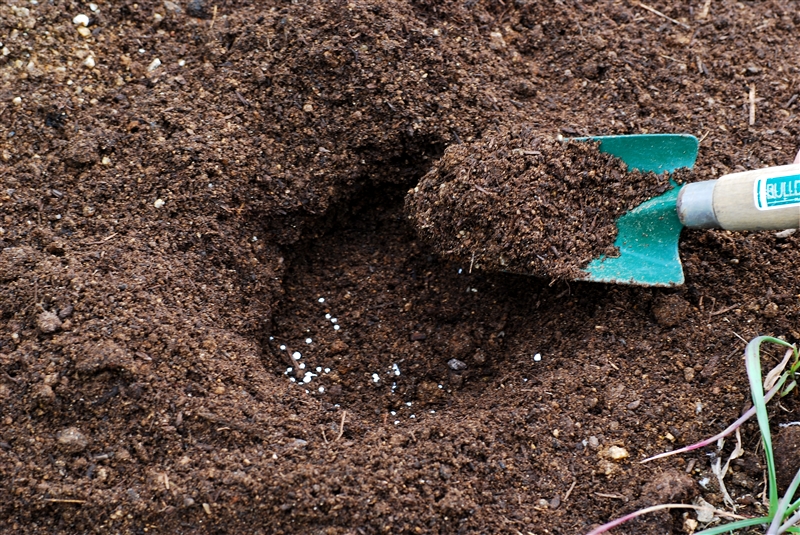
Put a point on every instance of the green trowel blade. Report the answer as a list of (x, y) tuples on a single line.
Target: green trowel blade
[(647, 236)]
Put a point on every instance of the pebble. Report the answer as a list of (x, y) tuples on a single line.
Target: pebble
[(89, 62), (72, 440), (159, 203), (456, 365), (48, 322), (81, 20), (155, 64), (537, 357), (593, 442), (17, 101), (688, 374), (616, 453)]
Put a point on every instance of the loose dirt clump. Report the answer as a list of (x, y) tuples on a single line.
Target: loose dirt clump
[(517, 202)]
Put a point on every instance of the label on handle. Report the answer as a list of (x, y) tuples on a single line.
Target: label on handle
[(776, 192)]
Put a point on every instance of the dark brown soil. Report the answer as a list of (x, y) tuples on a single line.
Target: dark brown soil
[(516, 202), (167, 226)]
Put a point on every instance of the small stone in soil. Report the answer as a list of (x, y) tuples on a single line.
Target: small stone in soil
[(616, 453), (72, 440), (48, 322), (456, 365)]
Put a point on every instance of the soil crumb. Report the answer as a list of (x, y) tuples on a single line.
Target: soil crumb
[(522, 203)]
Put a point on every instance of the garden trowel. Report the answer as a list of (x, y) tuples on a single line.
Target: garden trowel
[(647, 236)]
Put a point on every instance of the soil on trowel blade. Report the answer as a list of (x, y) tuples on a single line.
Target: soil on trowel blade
[(521, 203)]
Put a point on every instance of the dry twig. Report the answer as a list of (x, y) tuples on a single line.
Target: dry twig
[(341, 426), (660, 14)]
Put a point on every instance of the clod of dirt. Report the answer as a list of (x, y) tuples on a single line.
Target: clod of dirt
[(521, 203), (197, 9), (82, 151), (72, 440), (670, 486), (48, 322), (786, 447), (670, 310), (43, 396)]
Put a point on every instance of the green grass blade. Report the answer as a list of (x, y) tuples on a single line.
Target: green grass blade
[(727, 528), (784, 507), (753, 364)]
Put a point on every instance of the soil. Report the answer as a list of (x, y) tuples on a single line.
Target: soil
[(177, 234), (518, 203)]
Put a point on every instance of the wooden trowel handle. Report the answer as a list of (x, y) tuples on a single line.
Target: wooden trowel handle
[(763, 199)]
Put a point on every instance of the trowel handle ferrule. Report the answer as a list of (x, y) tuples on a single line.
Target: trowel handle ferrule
[(763, 199)]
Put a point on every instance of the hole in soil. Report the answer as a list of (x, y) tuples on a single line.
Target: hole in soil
[(372, 320), (369, 315)]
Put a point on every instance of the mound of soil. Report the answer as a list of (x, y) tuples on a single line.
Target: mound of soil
[(519, 203), (192, 192)]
